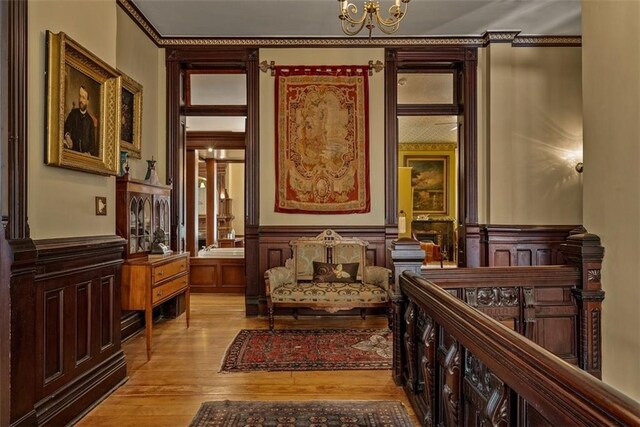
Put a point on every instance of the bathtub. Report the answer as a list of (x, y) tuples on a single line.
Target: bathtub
[(221, 253), (218, 270)]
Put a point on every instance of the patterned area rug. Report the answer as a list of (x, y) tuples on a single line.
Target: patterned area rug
[(299, 414), (309, 350)]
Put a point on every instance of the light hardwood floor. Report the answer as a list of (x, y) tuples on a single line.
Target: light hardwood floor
[(183, 370)]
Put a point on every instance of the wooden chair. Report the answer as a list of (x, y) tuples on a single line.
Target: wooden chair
[(431, 253)]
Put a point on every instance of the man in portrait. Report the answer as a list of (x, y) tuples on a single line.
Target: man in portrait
[(80, 127)]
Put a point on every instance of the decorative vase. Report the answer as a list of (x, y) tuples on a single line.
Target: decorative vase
[(152, 176), (123, 162)]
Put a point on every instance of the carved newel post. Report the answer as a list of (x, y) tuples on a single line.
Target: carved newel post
[(407, 256), (585, 252)]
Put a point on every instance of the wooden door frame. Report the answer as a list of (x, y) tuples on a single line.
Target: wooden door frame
[(466, 58), (178, 60)]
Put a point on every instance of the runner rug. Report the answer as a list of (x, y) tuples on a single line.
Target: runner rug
[(309, 350), (299, 414)]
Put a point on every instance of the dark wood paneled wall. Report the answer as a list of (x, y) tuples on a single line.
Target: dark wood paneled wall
[(274, 250), (217, 275), (461, 368), (511, 245), (65, 305)]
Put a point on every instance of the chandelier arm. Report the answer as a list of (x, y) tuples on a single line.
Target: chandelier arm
[(352, 32), (346, 14), (393, 20), (371, 9)]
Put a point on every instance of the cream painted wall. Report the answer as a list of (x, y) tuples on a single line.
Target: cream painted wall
[(61, 202), (376, 133), (611, 58), (235, 187), (531, 103), (141, 60)]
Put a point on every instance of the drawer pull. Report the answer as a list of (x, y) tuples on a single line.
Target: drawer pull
[(160, 273), (159, 293)]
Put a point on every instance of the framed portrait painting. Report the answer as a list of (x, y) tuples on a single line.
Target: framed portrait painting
[(429, 184), (83, 108), (131, 116)]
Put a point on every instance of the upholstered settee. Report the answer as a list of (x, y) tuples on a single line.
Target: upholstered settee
[(337, 259)]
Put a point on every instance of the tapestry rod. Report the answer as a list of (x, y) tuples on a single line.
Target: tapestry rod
[(264, 66)]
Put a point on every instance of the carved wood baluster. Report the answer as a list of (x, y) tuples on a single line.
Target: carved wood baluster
[(529, 313), (486, 393), (450, 389), (409, 343), (427, 364)]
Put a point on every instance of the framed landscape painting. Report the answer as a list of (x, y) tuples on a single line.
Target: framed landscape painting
[(429, 184), (83, 108)]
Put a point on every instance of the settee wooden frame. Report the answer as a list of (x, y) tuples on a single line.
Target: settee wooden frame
[(328, 240)]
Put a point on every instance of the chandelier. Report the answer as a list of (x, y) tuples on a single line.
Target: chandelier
[(351, 25)]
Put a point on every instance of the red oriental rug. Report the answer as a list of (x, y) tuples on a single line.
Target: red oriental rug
[(372, 413), (309, 350), (322, 139)]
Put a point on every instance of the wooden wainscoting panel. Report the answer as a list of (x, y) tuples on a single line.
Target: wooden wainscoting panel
[(53, 338), (77, 326), (501, 258), (527, 244), (107, 303), (83, 323), (216, 275)]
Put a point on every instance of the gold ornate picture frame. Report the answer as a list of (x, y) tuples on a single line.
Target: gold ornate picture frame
[(429, 183), (83, 108), (131, 117)]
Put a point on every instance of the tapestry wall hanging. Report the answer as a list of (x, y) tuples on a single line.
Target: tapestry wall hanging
[(322, 140)]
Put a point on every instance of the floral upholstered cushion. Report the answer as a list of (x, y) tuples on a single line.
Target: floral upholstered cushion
[(330, 293), (339, 273), (304, 255), (350, 253)]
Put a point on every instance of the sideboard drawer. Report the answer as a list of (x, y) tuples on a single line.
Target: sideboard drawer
[(159, 293), (165, 271)]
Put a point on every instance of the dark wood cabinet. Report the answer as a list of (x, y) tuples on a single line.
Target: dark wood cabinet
[(141, 210)]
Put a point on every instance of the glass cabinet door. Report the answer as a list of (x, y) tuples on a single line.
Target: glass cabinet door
[(146, 223), (133, 221)]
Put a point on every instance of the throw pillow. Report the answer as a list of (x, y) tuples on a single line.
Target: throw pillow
[(341, 273)]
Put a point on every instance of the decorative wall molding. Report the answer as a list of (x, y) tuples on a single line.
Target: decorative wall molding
[(427, 147), (483, 40)]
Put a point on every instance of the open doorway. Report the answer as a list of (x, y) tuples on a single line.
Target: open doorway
[(427, 157), (215, 184)]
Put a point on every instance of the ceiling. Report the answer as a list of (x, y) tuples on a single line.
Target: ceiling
[(319, 18)]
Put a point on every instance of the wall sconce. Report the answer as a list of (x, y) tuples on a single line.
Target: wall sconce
[(579, 167), (402, 223)]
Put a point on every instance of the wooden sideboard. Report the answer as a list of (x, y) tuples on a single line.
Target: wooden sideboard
[(148, 282)]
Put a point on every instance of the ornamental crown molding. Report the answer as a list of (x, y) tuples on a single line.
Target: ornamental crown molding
[(512, 36)]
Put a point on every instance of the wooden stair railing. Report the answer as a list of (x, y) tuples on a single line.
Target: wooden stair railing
[(460, 367)]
